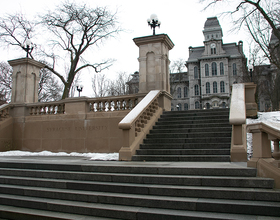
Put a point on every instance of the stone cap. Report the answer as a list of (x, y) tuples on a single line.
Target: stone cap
[(26, 60), (162, 38)]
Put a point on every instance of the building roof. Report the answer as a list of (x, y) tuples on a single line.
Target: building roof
[(211, 22), (231, 50)]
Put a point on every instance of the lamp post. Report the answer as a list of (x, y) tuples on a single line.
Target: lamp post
[(28, 47), (79, 88), (251, 71), (153, 22)]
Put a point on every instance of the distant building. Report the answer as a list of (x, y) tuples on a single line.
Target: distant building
[(212, 69)]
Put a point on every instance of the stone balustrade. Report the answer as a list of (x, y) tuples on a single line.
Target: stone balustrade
[(267, 164), (138, 122), (4, 111), (47, 108), (113, 103)]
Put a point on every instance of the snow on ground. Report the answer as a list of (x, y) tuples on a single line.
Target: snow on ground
[(272, 118)]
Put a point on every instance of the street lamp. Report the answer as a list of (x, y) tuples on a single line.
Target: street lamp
[(251, 67), (28, 47), (79, 88), (153, 22)]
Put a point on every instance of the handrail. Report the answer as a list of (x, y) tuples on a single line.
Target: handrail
[(138, 122), (136, 113), (237, 106)]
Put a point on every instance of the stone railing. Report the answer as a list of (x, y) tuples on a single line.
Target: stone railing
[(4, 111), (113, 103), (46, 108), (263, 134), (137, 123), (242, 106)]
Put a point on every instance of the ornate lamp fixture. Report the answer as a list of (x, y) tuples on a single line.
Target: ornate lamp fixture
[(28, 47), (153, 22), (79, 88)]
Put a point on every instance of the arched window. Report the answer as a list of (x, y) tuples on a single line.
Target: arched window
[(213, 50), (215, 89), (196, 90), (186, 106), (214, 69), (195, 72), (206, 69), (222, 86), (207, 88), (222, 68), (196, 105), (223, 105), (179, 93), (180, 107), (185, 92), (234, 70), (207, 105)]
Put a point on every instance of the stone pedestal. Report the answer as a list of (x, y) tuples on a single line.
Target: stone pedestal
[(25, 80), (154, 62)]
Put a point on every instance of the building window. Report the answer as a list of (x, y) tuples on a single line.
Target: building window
[(223, 105), (186, 106), (215, 90), (214, 69), (179, 107), (221, 68), (222, 86), (196, 105), (195, 72), (179, 93), (196, 90), (207, 88), (207, 105), (185, 92), (206, 69), (213, 50), (234, 70)]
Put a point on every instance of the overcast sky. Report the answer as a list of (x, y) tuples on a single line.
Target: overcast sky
[(182, 20)]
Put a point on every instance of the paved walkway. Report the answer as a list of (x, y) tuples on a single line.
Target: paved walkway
[(75, 160)]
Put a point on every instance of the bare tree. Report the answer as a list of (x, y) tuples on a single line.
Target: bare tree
[(100, 85), (73, 29), (119, 86), (5, 82)]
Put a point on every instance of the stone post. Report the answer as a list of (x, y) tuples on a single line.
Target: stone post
[(25, 80), (154, 65)]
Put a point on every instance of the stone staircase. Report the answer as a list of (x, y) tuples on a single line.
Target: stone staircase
[(134, 190), (195, 135)]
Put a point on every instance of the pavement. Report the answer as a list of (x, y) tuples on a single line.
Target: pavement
[(76, 160)]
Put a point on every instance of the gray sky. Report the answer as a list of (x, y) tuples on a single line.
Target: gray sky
[(182, 20)]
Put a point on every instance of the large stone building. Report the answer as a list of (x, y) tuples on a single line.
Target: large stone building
[(212, 69)]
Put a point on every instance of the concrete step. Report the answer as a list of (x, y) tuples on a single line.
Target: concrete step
[(190, 135), (201, 140), (162, 121), (230, 181), (162, 202), (183, 152), (233, 193), (160, 130), (16, 213), (119, 211), (191, 126), (181, 158), (135, 168), (185, 146)]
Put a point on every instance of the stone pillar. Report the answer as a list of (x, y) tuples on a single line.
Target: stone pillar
[(25, 80), (154, 62)]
